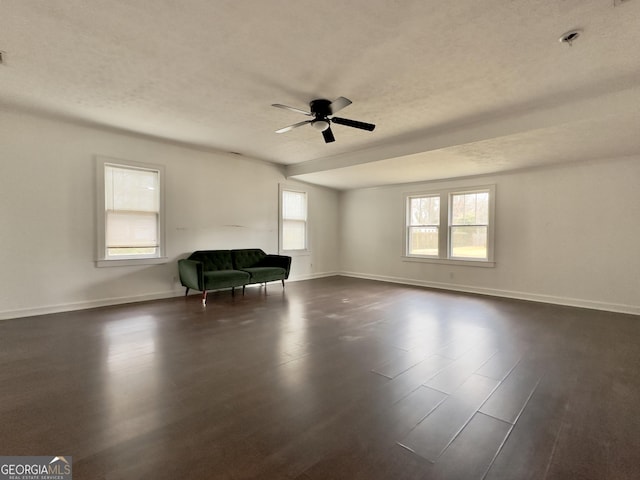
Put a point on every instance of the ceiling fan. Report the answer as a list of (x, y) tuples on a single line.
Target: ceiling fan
[(322, 112)]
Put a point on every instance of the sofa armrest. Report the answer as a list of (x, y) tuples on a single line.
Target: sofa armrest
[(282, 261), (191, 274)]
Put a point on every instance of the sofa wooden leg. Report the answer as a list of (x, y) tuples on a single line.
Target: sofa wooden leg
[(283, 283), (186, 292), (243, 290), (233, 291), (204, 298)]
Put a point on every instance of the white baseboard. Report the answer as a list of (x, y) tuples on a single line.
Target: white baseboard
[(534, 297), (103, 302), (571, 302), (312, 276)]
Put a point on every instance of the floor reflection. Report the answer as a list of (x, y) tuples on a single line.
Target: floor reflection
[(293, 332), (132, 383), (131, 344)]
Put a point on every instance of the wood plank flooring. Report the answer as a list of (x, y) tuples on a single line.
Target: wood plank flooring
[(335, 378)]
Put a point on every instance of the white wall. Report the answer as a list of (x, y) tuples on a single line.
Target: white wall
[(47, 215), (568, 234)]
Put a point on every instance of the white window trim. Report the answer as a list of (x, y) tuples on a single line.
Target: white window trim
[(407, 226), (101, 260), (445, 227), (292, 253)]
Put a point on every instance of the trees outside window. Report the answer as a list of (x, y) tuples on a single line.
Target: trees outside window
[(450, 224)]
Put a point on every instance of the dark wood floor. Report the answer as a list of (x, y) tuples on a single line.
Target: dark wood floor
[(335, 378)]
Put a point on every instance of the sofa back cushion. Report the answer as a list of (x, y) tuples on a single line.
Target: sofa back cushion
[(213, 259), (247, 257)]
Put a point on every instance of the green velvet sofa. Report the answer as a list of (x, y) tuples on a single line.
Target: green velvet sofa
[(207, 270)]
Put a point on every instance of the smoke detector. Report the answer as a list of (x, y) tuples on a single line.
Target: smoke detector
[(569, 37)]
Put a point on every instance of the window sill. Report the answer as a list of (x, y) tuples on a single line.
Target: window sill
[(129, 262), (295, 253), (449, 261)]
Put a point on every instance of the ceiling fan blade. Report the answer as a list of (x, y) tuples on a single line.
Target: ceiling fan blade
[(291, 127), (328, 135), (339, 103), (353, 123), (286, 107)]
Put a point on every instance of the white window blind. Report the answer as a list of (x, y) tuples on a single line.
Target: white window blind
[(294, 220), (132, 211)]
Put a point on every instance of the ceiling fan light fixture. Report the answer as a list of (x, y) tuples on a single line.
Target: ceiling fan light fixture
[(320, 125), (322, 110)]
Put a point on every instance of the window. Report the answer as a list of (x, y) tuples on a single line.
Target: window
[(293, 220), (469, 225), (130, 214), (451, 225), (424, 225)]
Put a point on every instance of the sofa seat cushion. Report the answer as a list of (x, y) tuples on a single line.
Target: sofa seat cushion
[(225, 279), (265, 274)]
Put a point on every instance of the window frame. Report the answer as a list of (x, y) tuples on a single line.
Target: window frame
[(102, 260), (444, 229), (295, 252), (409, 225)]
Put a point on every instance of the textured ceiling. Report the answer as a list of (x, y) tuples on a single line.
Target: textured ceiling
[(455, 88)]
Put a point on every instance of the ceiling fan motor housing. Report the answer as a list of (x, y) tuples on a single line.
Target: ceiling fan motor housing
[(321, 108)]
